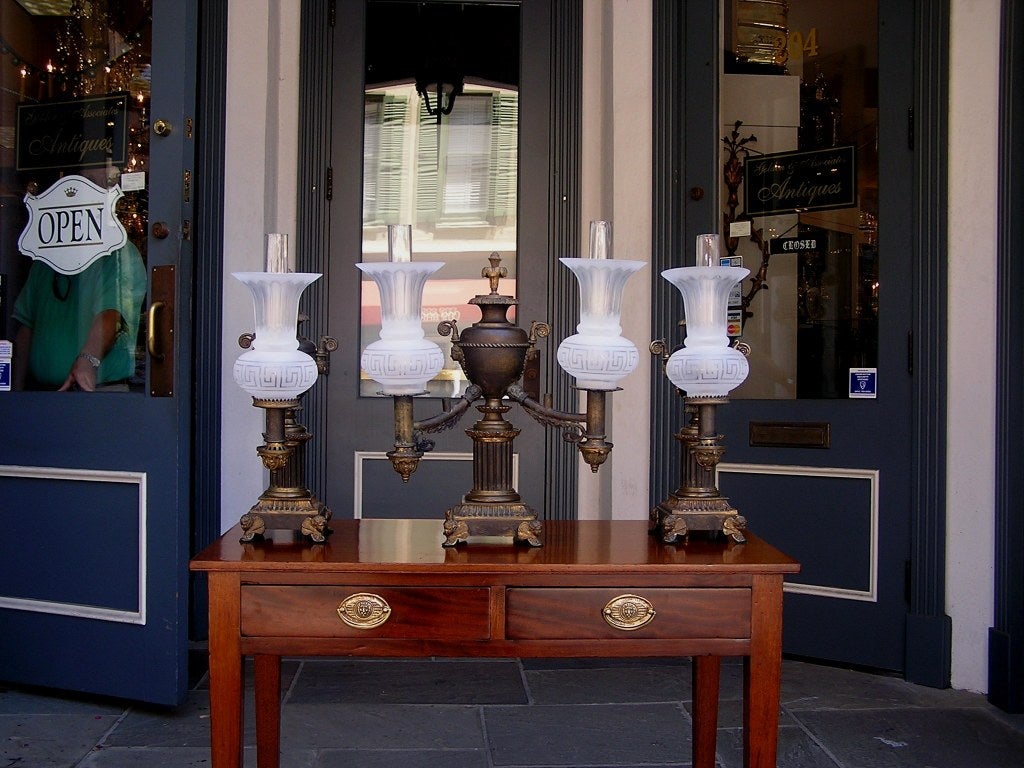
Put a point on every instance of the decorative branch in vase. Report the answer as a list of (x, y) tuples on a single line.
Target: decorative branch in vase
[(737, 152)]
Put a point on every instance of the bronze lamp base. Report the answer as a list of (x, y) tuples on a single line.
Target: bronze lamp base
[(677, 517), (516, 521), (308, 516), (286, 503), (697, 505)]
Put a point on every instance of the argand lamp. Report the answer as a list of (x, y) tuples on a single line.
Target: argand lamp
[(493, 353), (276, 372), (707, 368)]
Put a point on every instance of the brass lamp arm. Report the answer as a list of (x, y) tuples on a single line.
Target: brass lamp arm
[(569, 423), (448, 418), (589, 437)]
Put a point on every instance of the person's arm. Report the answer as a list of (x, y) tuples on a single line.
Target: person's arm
[(19, 365), (102, 335)]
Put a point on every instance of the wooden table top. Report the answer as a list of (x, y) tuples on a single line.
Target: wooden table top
[(414, 546)]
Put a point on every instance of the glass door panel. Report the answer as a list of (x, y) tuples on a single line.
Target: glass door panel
[(74, 162), (799, 127)]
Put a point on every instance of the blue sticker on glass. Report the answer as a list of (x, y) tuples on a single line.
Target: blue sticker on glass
[(863, 382)]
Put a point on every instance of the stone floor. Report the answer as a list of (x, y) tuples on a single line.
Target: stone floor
[(483, 713)]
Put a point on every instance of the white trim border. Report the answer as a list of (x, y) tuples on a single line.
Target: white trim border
[(869, 595), (74, 609), (361, 456)]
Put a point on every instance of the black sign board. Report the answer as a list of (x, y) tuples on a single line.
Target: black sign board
[(814, 180), (802, 244), (81, 133)]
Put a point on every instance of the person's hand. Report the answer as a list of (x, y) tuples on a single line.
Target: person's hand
[(81, 376)]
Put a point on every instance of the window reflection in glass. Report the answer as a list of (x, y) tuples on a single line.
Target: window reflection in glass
[(802, 77), (74, 96), (455, 182), (453, 176)]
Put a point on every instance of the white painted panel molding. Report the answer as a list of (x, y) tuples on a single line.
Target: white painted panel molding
[(363, 456), (101, 613), (868, 475)]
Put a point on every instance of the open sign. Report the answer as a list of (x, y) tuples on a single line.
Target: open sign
[(72, 224)]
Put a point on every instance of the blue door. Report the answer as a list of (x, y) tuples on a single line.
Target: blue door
[(95, 408), (818, 449)]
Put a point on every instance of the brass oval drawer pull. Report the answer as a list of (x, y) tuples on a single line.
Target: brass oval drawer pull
[(364, 610), (628, 612)]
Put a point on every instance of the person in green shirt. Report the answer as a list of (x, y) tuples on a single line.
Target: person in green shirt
[(79, 331)]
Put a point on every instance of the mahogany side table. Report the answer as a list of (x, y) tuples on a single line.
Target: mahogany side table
[(595, 589)]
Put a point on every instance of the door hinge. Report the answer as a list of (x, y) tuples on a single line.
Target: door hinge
[(331, 13), (910, 128), (910, 353), (329, 183), (188, 127), (186, 186)]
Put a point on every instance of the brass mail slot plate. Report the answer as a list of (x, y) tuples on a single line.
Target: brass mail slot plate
[(790, 434)]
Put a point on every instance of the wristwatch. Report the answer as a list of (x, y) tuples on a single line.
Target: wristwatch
[(93, 360)]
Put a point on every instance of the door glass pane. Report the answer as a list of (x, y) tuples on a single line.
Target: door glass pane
[(452, 176), (74, 156), (799, 127)]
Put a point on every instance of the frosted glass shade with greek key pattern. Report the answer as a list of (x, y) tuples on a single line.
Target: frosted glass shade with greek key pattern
[(706, 366), (597, 355), (402, 361), (274, 368)]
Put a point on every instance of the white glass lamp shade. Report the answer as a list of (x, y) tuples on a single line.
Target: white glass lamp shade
[(402, 361), (597, 355), (274, 368), (706, 366)]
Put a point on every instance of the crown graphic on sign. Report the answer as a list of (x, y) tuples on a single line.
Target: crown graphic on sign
[(71, 191)]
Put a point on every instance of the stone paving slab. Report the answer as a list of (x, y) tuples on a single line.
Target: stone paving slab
[(536, 713)]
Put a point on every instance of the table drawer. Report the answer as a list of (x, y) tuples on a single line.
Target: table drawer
[(438, 613), (627, 613)]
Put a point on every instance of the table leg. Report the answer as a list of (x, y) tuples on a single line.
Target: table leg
[(267, 689), (706, 674), (225, 671), (762, 674)]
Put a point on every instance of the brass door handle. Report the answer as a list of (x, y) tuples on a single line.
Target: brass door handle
[(162, 128), (160, 330), (151, 343)]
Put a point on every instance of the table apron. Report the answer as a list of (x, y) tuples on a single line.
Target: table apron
[(496, 649), (438, 578)]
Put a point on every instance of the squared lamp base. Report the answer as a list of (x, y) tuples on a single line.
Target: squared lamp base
[(516, 521), (307, 515), (680, 516)]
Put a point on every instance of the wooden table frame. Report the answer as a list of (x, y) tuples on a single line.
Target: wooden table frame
[(280, 598)]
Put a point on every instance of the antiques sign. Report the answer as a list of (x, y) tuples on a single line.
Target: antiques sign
[(72, 224), (786, 182), (81, 133)]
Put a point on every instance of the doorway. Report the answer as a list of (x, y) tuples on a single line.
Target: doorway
[(99, 111), (820, 465), (349, 469)]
